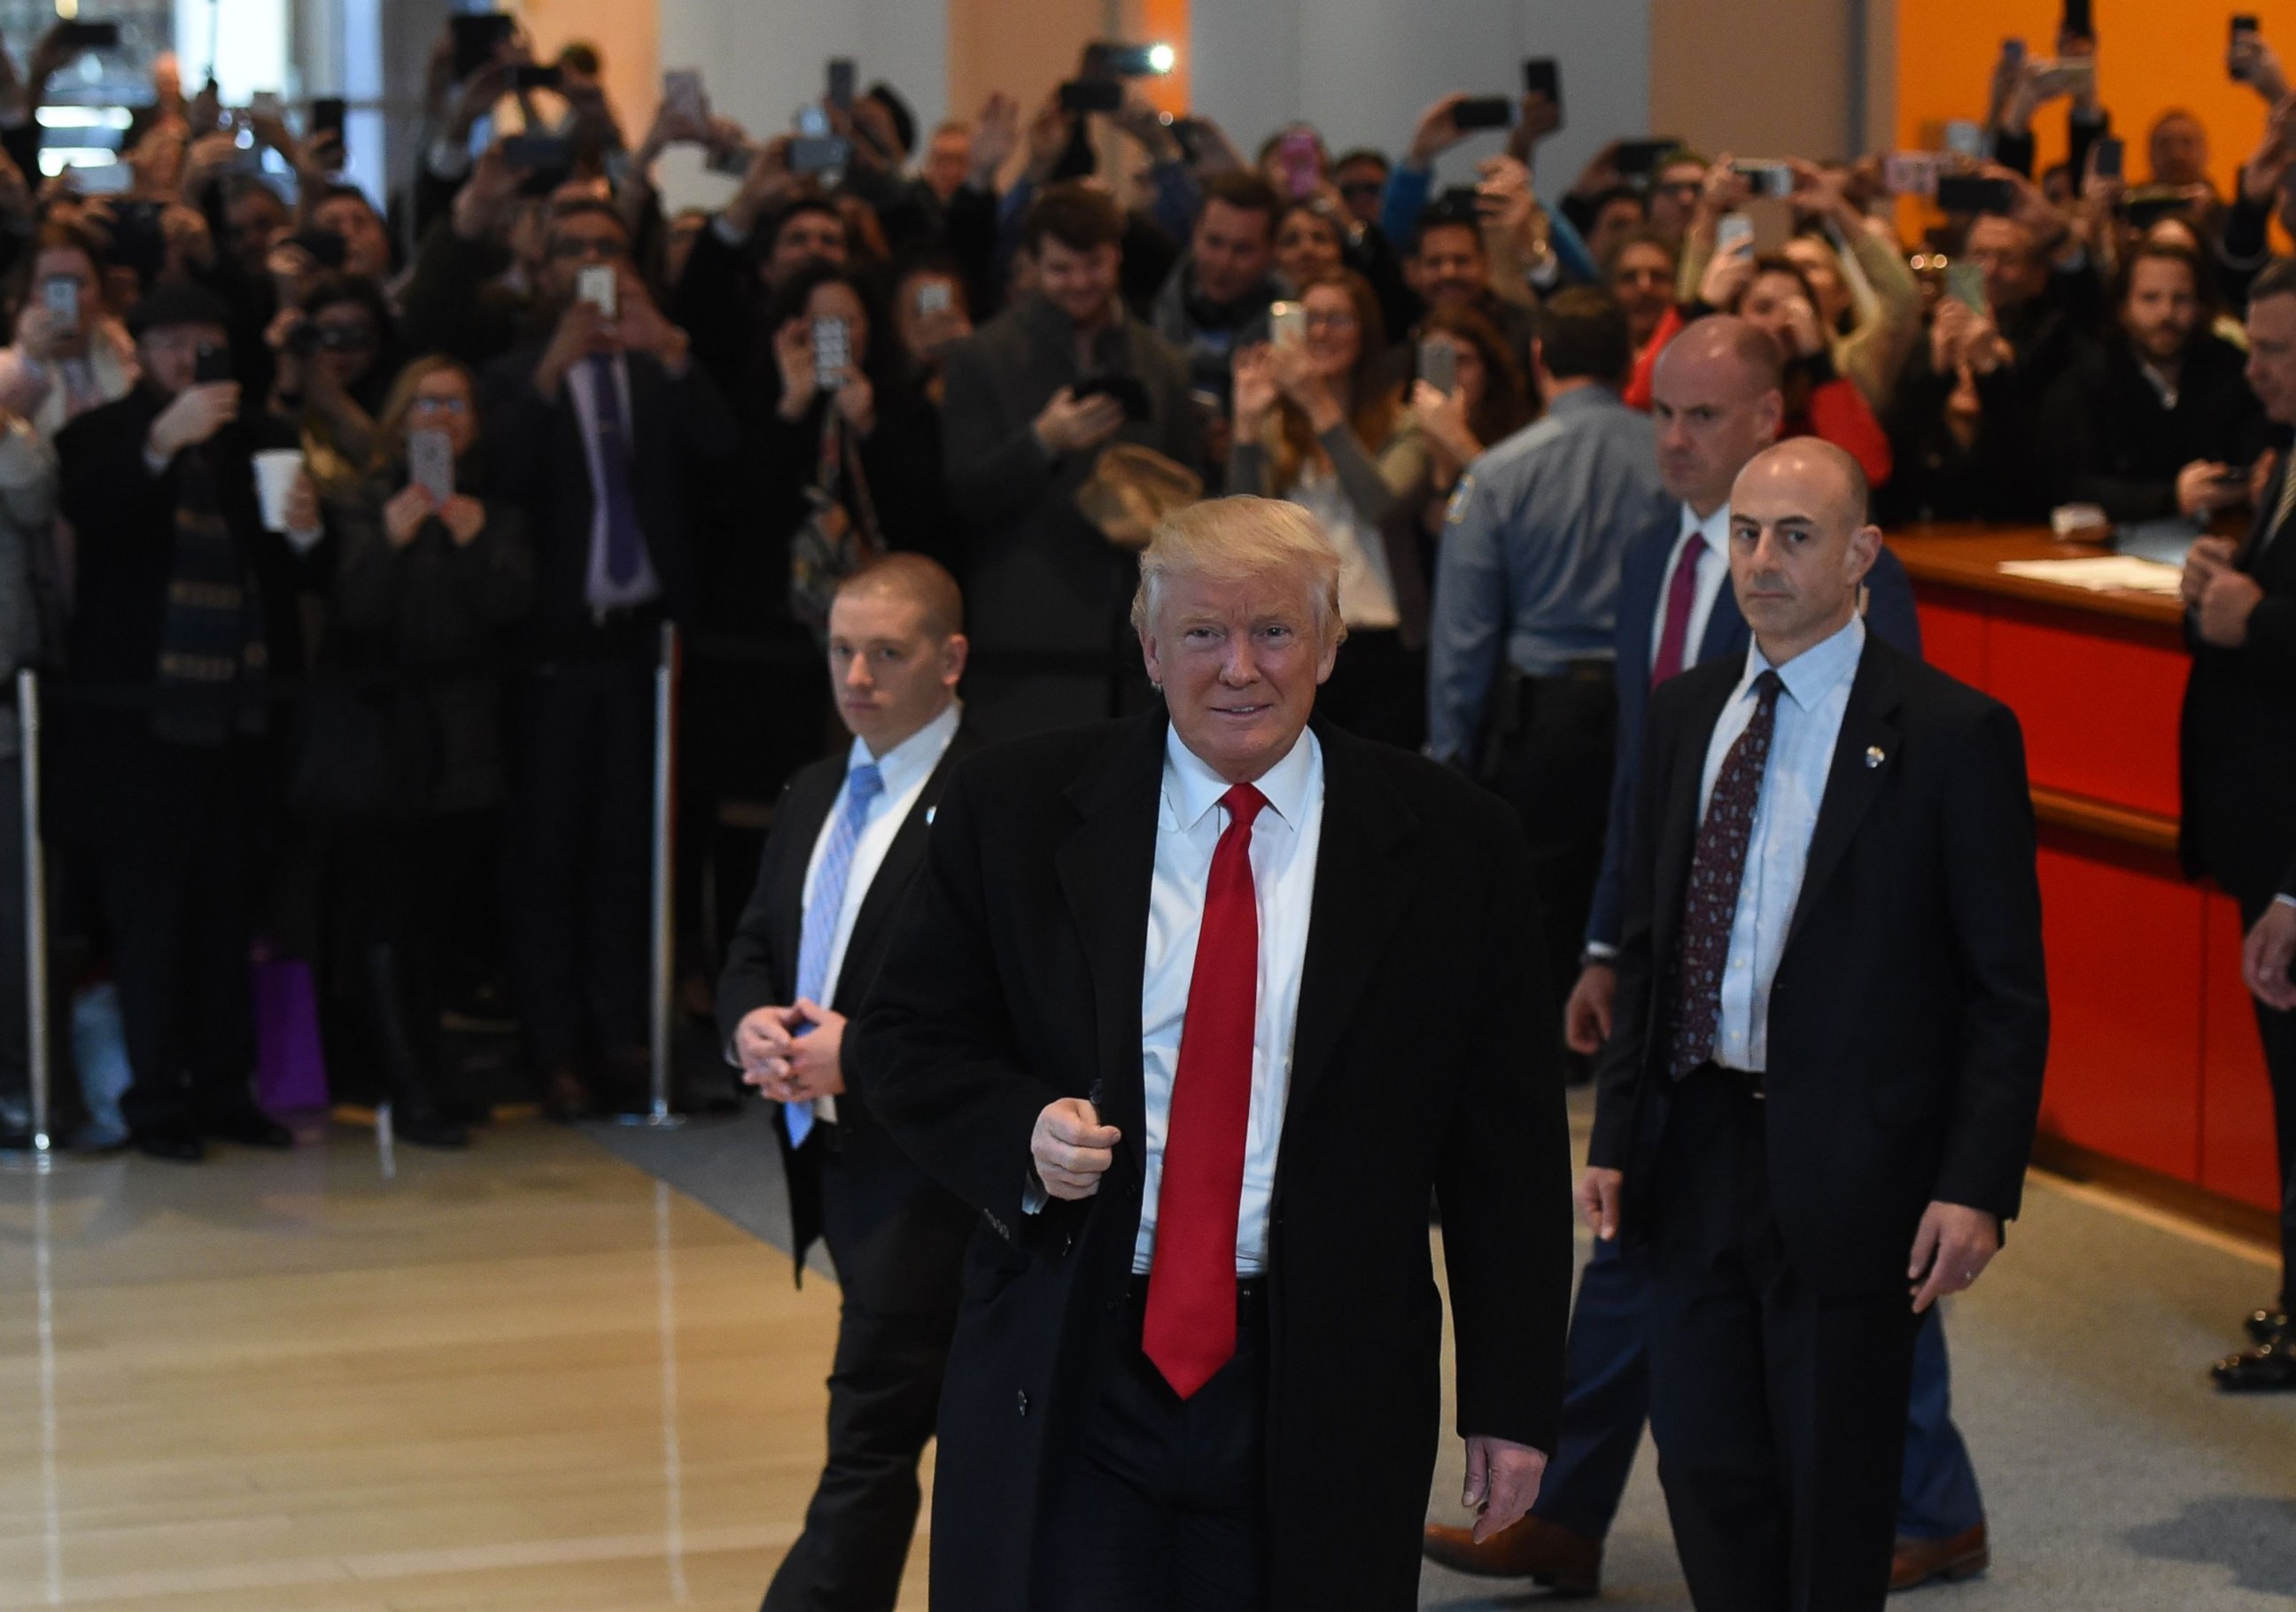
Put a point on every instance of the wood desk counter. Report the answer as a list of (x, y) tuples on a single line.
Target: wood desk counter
[(2153, 1061)]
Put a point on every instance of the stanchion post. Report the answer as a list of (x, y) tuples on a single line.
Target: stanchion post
[(665, 802), (35, 913)]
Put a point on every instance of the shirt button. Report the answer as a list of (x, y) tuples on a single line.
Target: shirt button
[(1024, 1402)]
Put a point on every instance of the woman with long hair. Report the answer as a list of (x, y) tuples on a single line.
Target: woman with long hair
[(1317, 422), (1488, 400)]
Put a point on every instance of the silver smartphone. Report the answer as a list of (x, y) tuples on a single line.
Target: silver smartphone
[(1735, 233), (833, 352), (59, 294), (601, 285), (682, 94), (932, 297), (1287, 323), (1439, 364), (430, 463)]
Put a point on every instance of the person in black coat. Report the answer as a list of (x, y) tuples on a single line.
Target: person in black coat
[(2157, 422), (848, 838), (606, 494), (2238, 751), (426, 592), (1241, 1317), (170, 647), (1821, 1086)]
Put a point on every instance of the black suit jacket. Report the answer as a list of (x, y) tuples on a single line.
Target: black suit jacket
[(761, 971), (1908, 1019), (1421, 1064), (680, 428), (2238, 737)]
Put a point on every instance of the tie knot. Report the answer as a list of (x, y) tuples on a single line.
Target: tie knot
[(1768, 687), (865, 783), (1243, 803)]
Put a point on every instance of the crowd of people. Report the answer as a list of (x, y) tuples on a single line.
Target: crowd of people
[(346, 530)]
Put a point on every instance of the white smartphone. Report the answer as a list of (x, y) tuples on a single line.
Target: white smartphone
[(1734, 233), (601, 284), (1287, 323), (833, 352), (932, 297), (1439, 365), (59, 294), (682, 93), (430, 463)]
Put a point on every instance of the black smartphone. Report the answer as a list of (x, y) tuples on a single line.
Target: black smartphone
[(2078, 24), (2147, 205), (326, 246), (1636, 158), (1126, 390), (1773, 179), (1091, 95), (840, 82), (1485, 112), (88, 36), (2243, 26), (2110, 154), (1109, 58), (477, 35), (327, 115), (1543, 76), (538, 151), (1969, 193), (529, 75), (818, 153), (212, 364)]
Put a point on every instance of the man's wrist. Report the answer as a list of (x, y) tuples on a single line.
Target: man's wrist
[(1598, 955)]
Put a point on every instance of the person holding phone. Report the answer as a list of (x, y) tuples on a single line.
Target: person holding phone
[(931, 313), (1483, 403), (432, 576), (333, 363), (71, 352), (1316, 422), (1214, 303)]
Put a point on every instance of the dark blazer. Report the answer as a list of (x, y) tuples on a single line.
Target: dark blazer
[(1889, 612), (761, 971), (1910, 1017), (1422, 1064), (2111, 440), (1040, 577), (2237, 740), (680, 428)]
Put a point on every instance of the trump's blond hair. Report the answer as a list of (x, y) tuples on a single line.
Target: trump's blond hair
[(1241, 540)]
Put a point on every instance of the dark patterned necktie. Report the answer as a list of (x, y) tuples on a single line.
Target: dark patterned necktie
[(1709, 905)]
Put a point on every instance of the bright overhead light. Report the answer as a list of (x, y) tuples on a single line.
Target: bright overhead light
[(1161, 58)]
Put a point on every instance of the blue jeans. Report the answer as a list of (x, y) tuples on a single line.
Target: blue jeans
[(1606, 1399)]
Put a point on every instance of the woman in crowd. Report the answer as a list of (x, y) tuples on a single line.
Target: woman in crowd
[(1315, 423), (424, 590), (1488, 402), (1773, 294), (72, 353), (1309, 243), (334, 367)]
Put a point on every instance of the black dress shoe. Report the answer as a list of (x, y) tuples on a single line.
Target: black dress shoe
[(2270, 1369), (248, 1126), (2266, 1326), (428, 1128), (175, 1144)]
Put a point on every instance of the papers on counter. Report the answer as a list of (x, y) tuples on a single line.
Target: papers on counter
[(2111, 573)]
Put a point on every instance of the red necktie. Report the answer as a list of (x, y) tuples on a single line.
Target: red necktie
[(1189, 1328), (1681, 593)]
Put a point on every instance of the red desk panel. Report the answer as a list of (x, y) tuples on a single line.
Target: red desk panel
[(1954, 629), (2237, 1152), (2099, 700)]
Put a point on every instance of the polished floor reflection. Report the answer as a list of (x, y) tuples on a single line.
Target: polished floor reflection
[(525, 1376)]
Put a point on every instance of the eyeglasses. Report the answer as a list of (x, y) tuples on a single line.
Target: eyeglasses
[(1329, 322), (569, 247), (1679, 187), (440, 405)]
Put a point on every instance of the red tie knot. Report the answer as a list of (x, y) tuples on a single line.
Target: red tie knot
[(1243, 804)]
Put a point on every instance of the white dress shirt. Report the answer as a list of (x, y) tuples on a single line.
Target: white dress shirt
[(1284, 840), (1707, 545), (1808, 723), (905, 769), (600, 591)]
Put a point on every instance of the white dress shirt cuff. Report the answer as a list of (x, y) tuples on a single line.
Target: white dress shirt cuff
[(2286, 900), (1034, 1195)]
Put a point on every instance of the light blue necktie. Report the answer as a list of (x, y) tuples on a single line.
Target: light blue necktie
[(863, 785)]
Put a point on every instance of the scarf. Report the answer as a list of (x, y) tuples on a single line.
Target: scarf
[(208, 682)]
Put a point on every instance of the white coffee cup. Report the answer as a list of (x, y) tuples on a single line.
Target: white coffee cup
[(275, 469)]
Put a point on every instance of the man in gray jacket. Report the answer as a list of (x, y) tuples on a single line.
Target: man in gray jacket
[(1033, 398)]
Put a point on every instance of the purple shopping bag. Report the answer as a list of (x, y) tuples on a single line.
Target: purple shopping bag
[(290, 1070)]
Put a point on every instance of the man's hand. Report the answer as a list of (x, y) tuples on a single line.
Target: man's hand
[(1071, 1149), (1951, 1250), (643, 328), (2266, 955), (1048, 137), (1437, 132), (197, 413), (1599, 1192), (1501, 1481), (465, 517), (1586, 1016), (404, 514), (488, 195), (582, 331), (766, 181), (2205, 486), (2229, 600), (814, 1057), (2202, 562), (995, 136), (761, 1044), (1074, 425)]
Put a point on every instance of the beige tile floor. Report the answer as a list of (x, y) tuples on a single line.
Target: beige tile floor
[(525, 1376)]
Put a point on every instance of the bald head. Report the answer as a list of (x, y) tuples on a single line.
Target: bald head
[(1800, 544), (1716, 400)]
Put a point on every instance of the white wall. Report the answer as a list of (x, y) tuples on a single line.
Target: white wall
[(763, 58), (1362, 70)]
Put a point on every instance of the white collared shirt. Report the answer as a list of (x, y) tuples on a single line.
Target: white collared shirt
[(1284, 841), (600, 591), (905, 769), (1706, 544), (1808, 726)]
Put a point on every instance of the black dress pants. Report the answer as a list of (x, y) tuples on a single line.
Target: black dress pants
[(899, 1243), (2277, 1031), (580, 855), (1779, 1412), (1549, 754), (1165, 1510)]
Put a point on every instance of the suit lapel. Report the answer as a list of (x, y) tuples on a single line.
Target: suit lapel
[(1363, 882), (808, 807), (1107, 866), (902, 857), (1864, 757)]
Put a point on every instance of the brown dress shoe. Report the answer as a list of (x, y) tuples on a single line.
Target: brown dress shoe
[(1917, 1561), (1566, 1562)]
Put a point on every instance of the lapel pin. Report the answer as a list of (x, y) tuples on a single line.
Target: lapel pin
[(1874, 756), (929, 815)]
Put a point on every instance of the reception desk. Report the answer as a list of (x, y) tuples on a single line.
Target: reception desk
[(2154, 1069)]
